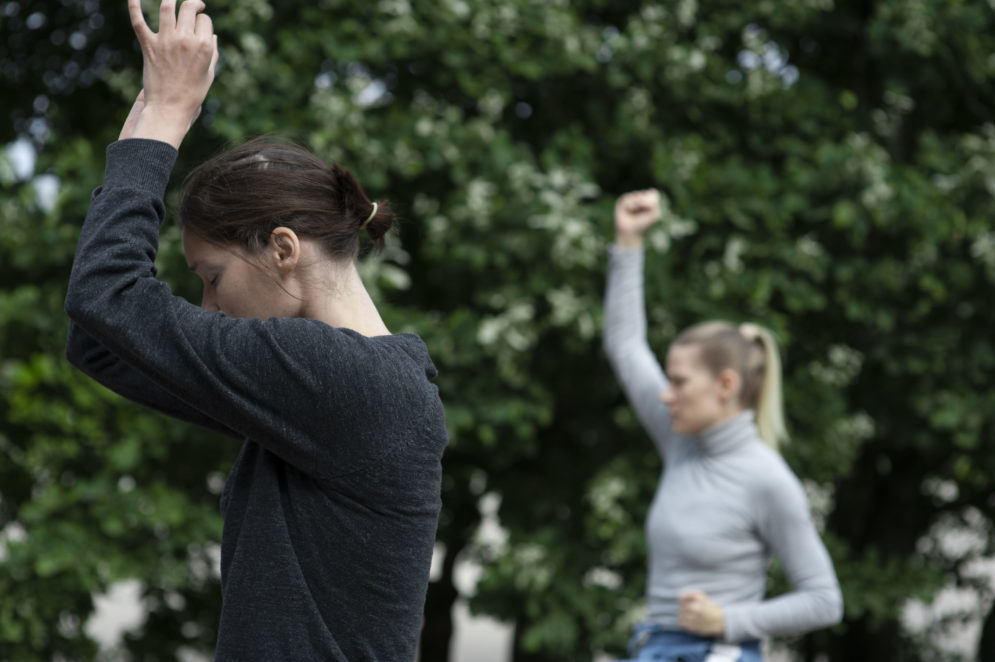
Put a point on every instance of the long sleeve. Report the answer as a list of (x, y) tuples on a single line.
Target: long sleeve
[(101, 365), (815, 600), (625, 343), (247, 376)]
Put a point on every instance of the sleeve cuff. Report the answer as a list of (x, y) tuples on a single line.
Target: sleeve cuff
[(733, 625), (615, 249), (626, 260), (141, 164)]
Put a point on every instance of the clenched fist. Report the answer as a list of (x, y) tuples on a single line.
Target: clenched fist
[(697, 614), (634, 212)]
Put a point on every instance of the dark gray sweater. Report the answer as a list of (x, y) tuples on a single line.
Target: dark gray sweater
[(331, 508)]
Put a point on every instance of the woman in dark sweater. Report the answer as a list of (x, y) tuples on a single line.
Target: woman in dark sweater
[(331, 508)]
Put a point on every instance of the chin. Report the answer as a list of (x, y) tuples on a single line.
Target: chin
[(688, 428)]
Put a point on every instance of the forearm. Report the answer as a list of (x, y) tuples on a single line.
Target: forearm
[(624, 312), (793, 613), (106, 257)]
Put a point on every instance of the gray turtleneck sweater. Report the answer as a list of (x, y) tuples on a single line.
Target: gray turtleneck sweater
[(725, 501)]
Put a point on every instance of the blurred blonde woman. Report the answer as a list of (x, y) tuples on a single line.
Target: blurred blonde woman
[(726, 499)]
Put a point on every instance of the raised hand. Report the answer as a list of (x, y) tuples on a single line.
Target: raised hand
[(179, 64), (634, 212), (697, 614)]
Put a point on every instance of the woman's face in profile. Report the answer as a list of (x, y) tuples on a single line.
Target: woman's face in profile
[(235, 283), (695, 398)]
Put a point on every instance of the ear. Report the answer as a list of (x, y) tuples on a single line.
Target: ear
[(730, 384), (284, 249)]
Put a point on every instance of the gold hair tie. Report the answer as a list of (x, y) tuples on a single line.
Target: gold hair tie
[(370, 217)]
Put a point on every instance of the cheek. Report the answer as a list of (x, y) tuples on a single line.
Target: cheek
[(232, 298), (697, 395), (251, 295)]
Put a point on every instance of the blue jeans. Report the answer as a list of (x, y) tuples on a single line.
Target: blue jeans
[(651, 643)]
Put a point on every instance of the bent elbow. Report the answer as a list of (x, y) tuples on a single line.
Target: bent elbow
[(73, 355), (75, 304), (833, 607), (78, 347), (613, 353), (612, 343), (606, 345), (837, 610), (86, 306)]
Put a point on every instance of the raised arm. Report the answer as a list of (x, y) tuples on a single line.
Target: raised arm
[(815, 600), (629, 353), (245, 375)]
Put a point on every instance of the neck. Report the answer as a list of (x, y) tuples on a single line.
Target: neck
[(729, 433), (341, 300), (728, 415)]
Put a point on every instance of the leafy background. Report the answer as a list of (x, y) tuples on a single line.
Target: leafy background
[(827, 170)]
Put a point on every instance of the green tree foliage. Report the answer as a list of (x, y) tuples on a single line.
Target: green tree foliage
[(827, 171)]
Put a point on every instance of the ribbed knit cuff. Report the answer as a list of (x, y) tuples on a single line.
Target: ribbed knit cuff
[(139, 163), (615, 249), (735, 628)]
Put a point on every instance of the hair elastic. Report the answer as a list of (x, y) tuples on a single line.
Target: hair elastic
[(751, 332), (370, 217)]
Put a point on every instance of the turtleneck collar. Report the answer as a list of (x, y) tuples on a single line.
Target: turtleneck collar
[(732, 434)]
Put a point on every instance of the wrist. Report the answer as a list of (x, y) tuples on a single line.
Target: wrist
[(720, 623), (628, 240), (166, 125)]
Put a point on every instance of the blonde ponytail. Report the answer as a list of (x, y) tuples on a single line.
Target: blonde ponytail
[(765, 366)]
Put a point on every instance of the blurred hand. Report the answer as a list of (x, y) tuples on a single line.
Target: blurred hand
[(697, 614), (634, 212), (178, 70)]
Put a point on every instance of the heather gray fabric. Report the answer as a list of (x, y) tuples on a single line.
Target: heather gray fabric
[(724, 503), (331, 508)]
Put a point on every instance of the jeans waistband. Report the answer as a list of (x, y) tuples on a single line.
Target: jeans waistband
[(642, 632)]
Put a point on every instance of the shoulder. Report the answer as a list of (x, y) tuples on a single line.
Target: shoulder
[(407, 349), (310, 334), (774, 484), (341, 354)]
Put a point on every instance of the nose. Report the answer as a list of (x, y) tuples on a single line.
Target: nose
[(667, 395)]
